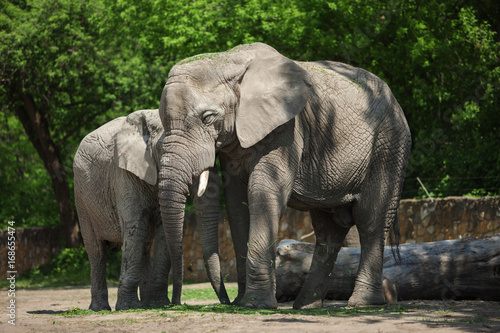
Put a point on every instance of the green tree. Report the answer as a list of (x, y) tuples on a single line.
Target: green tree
[(25, 185), (63, 72), (441, 59), (448, 82)]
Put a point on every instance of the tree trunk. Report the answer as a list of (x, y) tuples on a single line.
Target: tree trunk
[(466, 268), (36, 126)]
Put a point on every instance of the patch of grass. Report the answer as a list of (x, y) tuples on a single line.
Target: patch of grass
[(208, 294), (330, 311), (76, 311), (444, 312), (472, 320), (475, 320)]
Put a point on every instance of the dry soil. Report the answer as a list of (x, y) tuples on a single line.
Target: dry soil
[(37, 311)]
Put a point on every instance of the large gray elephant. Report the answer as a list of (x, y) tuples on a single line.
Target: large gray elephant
[(116, 196), (319, 136)]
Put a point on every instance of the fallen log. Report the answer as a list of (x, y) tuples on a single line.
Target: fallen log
[(467, 268)]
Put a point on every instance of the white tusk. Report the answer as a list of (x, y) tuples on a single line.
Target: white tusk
[(203, 183)]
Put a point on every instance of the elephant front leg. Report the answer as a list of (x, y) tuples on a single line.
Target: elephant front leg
[(135, 235), (265, 212)]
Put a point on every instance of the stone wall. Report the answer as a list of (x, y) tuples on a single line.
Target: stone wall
[(34, 247), (448, 218), (420, 221)]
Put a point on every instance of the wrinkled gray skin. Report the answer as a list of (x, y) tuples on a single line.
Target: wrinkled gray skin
[(320, 136), (116, 195)]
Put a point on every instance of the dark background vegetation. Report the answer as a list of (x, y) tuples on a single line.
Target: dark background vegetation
[(67, 67)]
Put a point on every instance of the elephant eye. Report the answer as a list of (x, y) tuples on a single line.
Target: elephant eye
[(208, 117)]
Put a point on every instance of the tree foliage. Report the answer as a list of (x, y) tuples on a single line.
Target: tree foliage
[(83, 63), (63, 73)]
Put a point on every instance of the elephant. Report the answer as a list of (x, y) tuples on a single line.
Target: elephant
[(116, 196), (323, 137)]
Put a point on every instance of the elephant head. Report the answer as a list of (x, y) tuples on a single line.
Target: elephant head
[(212, 102), (138, 149)]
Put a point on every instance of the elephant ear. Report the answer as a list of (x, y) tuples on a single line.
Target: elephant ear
[(133, 147), (273, 90)]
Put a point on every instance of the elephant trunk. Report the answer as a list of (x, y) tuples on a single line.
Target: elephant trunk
[(178, 166), (173, 188)]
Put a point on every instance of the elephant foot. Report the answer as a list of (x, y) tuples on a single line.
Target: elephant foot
[(302, 302), (259, 300), (237, 300), (99, 306), (131, 303), (157, 302), (366, 295)]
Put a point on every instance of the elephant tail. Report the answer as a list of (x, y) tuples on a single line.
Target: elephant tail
[(394, 239)]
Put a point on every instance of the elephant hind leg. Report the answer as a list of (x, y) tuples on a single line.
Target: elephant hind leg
[(97, 252), (368, 286), (373, 215), (330, 233)]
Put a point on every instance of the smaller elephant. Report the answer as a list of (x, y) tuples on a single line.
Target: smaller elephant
[(116, 196)]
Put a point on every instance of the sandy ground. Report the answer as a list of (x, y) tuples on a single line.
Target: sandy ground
[(37, 311)]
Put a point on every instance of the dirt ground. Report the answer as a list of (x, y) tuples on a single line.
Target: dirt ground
[(36, 311)]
